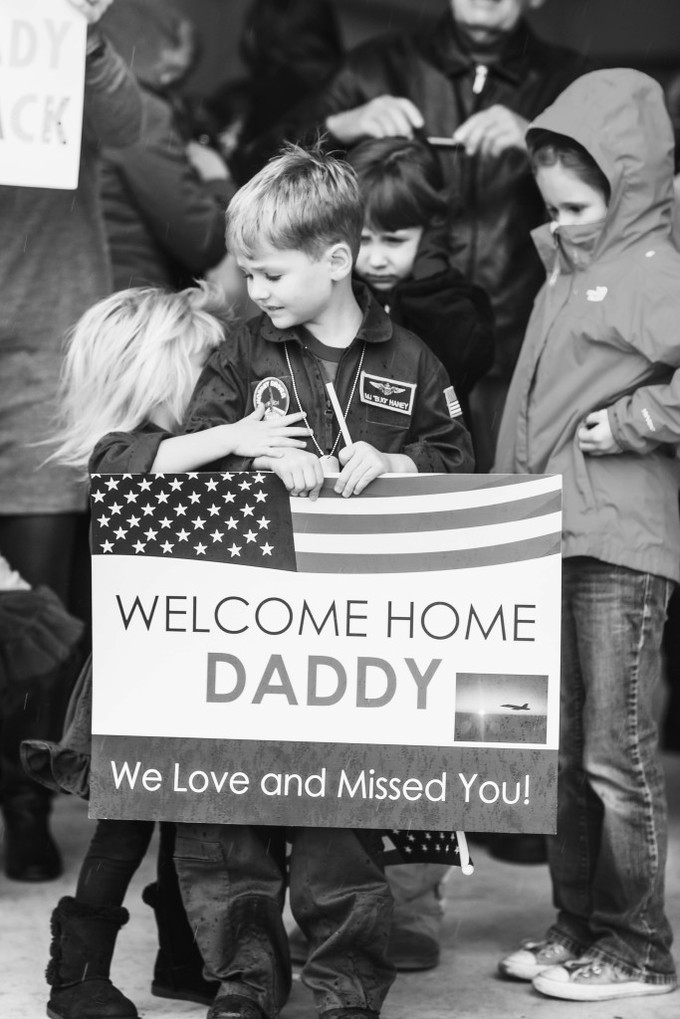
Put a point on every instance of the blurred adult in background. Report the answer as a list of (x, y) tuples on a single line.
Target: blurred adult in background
[(477, 78), (163, 197), (291, 49), (53, 265)]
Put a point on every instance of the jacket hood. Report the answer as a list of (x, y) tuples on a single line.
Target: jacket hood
[(619, 116)]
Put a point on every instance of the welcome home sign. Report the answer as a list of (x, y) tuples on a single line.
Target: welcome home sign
[(390, 660), (42, 61)]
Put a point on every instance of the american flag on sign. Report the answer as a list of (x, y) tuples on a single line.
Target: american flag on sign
[(401, 525), (394, 527), (415, 846)]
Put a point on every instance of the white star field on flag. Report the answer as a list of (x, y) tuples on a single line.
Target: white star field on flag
[(416, 846), (226, 517)]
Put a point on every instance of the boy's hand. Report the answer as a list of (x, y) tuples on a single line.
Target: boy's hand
[(595, 437), (256, 435), (300, 471), (361, 463)]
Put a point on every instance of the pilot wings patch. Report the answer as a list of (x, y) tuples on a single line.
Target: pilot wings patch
[(388, 393)]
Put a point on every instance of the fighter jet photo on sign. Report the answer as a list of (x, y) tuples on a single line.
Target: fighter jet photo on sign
[(493, 708)]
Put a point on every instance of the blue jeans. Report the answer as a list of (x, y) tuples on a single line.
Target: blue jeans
[(233, 880), (608, 858)]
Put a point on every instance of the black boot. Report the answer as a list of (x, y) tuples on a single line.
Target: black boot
[(178, 971), (83, 939)]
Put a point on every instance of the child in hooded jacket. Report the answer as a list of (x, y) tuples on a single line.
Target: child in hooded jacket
[(596, 397)]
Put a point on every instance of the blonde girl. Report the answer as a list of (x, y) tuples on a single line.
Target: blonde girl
[(131, 365)]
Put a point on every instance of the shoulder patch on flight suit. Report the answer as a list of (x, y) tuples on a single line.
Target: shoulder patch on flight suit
[(452, 402)]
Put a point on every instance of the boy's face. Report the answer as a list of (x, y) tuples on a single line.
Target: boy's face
[(568, 199), (289, 286), (386, 257)]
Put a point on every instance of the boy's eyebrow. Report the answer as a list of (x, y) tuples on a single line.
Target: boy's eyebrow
[(265, 265), (250, 259)]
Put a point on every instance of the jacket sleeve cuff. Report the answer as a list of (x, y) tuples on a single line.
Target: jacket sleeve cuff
[(615, 435), (626, 437), (428, 459)]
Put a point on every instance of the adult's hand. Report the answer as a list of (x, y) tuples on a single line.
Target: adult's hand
[(382, 117), (492, 131), (92, 10)]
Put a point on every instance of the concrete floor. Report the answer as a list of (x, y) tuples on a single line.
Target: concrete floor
[(486, 915)]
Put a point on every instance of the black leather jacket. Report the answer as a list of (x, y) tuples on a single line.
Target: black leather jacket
[(496, 202)]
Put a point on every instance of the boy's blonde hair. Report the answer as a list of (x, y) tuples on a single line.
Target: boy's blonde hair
[(302, 200), (128, 355)]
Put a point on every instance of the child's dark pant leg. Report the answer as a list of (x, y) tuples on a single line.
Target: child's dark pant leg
[(341, 900), (232, 879), (113, 856)]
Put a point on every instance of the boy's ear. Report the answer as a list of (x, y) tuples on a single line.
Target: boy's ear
[(340, 260)]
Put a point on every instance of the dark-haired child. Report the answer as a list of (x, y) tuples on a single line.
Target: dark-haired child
[(595, 399), (404, 258)]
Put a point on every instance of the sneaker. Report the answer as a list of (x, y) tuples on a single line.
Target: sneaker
[(534, 957), (593, 980)]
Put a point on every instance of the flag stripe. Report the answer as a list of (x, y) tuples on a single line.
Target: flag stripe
[(424, 541), (380, 499), (459, 559), (435, 484), (399, 523)]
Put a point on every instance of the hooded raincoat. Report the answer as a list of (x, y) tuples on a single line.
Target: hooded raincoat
[(605, 333)]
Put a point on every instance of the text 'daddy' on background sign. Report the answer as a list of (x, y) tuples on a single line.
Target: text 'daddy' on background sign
[(390, 660), (42, 70)]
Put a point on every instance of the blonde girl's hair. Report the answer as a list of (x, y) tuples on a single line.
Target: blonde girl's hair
[(128, 355)]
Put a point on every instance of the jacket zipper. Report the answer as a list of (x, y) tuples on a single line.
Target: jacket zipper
[(481, 74)]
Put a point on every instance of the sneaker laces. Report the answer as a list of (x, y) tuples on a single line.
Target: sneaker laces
[(552, 948), (544, 948), (587, 968)]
